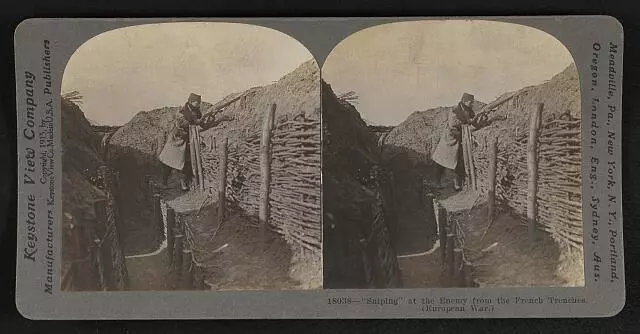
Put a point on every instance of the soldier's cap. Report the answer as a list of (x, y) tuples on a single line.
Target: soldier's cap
[(467, 97), (194, 97)]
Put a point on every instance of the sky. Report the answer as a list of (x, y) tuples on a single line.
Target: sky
[(399, 68), (127, 70)]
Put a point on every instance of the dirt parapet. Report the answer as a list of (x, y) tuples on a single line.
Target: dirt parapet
[(358, 208)]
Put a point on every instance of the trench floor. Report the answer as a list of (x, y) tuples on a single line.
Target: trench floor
[(510, 261), (235, 254)]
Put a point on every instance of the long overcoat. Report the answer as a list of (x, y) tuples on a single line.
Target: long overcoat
[(448, 153), (176, 148)]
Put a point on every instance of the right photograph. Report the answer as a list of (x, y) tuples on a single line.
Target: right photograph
[(451, 158)]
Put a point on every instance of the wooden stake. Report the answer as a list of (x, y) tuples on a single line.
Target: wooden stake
[(265, 167), (453, 230), (103, 171), (186, 276), (100, 211), (467, 275), (493, 160), (431, 211), (198, 276), (199, 158), (532, 171), (465, 155), (192, 155), (223, 181), (180, 242), (450, 257), (147, 187), (79, 276), (177, 259), (472, 164), (441, 219), (157, 215), (457, 267), (171, 222)]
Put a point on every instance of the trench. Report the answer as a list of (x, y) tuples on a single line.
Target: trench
[(498, 252)]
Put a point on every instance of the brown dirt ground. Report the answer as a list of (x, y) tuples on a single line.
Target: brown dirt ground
[(148, 273), (137, 235), (421, 271), (246, 263), (514, 262)]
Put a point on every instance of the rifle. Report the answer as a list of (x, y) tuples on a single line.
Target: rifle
[(218, 108), (491, 107)]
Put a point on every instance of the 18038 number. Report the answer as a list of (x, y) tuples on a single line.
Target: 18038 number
[(339, 300)]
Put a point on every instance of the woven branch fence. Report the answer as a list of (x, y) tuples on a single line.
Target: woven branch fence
[(92, 256), (294, 195), (559, 201)]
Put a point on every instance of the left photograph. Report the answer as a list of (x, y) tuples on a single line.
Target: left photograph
[(191, 160)]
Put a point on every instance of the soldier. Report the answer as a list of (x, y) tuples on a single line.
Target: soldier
[(448, 153), (175, 154)]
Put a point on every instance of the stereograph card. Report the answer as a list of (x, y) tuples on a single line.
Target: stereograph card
[(319, 167)]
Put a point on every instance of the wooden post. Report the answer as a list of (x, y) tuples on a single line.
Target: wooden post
[(450, 257), (198, 277), (80, 278), (465, 156), (171, 222), (199, 158), (493, 161), (467, 275), (532, 171), (192, 155), (157, 215), (116, 176), (453, 230), (103, 171), (265, 167), (177, 253), (472, 164), (177, 260), (441, 219), (223, 181), (431, 211), (186, 276), (457, 267), (147, 187), (100, 211)]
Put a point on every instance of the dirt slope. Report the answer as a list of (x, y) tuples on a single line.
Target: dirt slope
[(358, 210), (80, 160)]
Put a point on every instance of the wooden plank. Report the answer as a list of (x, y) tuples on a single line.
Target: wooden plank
[(265, 166), (532, 171)]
